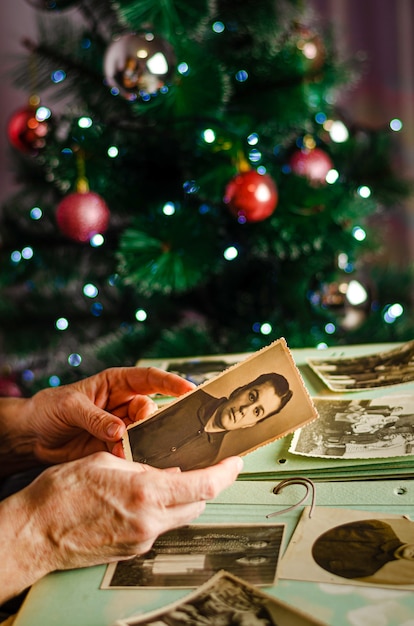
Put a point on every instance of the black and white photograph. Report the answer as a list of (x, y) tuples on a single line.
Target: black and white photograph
[(197, 369), (228, 601), (252, 403), (188, 556), (348, 429), (381, 369), (351, 547)]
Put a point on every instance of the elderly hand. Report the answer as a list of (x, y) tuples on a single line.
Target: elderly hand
[(65, 423), (97, 510)]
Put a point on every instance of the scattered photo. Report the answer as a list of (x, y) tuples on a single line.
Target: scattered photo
[(380, 369), (361, 429), (197, 369), (252, 403), (226, 600), (351, 547), (190, 555)]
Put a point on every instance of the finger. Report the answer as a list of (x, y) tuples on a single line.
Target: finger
[(204, 484), (141, 407), (148, 380), (102, 425)]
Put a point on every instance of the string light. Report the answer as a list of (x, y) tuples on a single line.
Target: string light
[(85, 122), (62, 323), (36, 213), (168, 208), (97, 240), (231, 253), (90, 290), (364, 191), (209, 135), (359, 233), (74, 359), (141, 315)]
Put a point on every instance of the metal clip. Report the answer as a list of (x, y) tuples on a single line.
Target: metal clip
[(306, 482)]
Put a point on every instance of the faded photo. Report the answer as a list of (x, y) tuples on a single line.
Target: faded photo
[(383, 427), (252, 403), (190, 555), (381, 369), (225, 600), (354, 547)]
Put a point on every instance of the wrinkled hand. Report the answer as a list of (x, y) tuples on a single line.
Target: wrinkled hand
[(102, 508), (69, 422)]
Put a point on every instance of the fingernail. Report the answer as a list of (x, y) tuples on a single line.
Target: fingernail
[(112, 430), (239, 463)]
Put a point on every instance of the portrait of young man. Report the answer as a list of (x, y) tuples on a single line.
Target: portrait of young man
[(234, 413)]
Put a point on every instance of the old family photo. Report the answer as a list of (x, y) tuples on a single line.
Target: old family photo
[(251, 403), (381, 369), (348, 429), (188, 556), (225, 600), (351, 547)]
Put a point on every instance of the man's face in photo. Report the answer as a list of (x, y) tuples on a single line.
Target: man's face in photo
[(246, 406)]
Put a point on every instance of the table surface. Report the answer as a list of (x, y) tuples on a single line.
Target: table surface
[(74, 597)]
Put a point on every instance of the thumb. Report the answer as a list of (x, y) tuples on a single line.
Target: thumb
[(101, 424)]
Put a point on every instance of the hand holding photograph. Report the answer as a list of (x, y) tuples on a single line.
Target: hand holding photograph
[(250, 404)]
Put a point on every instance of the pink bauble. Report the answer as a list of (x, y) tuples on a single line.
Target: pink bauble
[(251, 196), (312, 164), (80, 216)]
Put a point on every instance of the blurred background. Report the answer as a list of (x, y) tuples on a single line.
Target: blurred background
[(294, 276)]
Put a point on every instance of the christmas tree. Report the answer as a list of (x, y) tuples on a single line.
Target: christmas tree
[(189, 185)]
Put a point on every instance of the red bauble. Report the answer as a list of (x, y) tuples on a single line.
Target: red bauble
[(27, 133), (80, 216), (251, 196), (312, 164)]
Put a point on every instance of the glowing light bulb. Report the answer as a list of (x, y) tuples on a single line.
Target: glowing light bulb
[(141, 315), (230, 253), (62, 323)]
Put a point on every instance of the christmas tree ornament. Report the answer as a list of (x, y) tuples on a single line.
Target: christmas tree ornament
[(250, 196), (51, 5), (83, 213), (28, 128), (314, 164), (347, 299), (138, 64), (311, 48)]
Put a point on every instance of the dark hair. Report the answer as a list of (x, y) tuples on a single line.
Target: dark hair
[(280, 385)]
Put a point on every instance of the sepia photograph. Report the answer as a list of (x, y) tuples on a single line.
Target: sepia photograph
[(224, 600), (381, 369), (248, 405), (360, 429), (351, 547), (188, 556)]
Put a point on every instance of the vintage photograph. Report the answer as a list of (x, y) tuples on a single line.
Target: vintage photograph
[(190, 555), (356, 547), (360, 429), (228, 601), (250, 404), (381, 369)]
